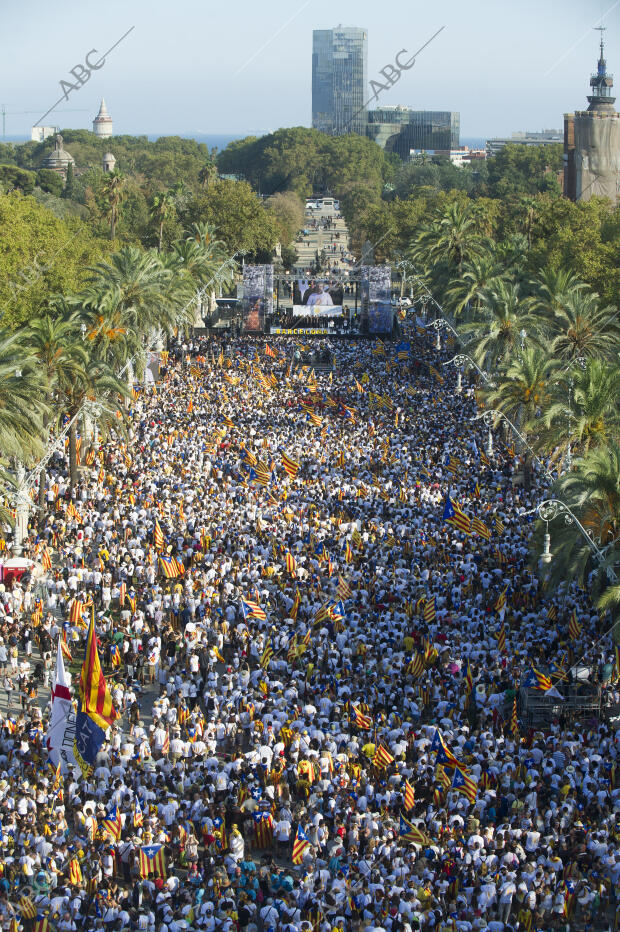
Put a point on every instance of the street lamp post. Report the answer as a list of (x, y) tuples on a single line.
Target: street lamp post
[(491, 415), (461, 359), (551, 508)]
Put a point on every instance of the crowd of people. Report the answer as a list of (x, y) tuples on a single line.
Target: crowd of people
[(320, 680)]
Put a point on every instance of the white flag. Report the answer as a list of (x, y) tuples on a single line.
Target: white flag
[(61, 733)]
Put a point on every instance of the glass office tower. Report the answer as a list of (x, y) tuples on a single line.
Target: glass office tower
[(339, 80), (402, 130)]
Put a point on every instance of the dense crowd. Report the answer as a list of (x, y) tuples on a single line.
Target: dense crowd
[(300, 664)]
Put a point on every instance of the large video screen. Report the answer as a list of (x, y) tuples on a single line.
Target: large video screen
[(317, 297), (375, 290), (257, 296)]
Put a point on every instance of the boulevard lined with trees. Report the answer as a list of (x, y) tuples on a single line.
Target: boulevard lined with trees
[(90, 273)]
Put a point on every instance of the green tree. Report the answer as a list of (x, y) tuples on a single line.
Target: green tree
[(111, 198), (592, 491), (583, 409)]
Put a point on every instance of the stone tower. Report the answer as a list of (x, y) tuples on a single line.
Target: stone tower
[(108, 162), (592, 142), (102, 124)]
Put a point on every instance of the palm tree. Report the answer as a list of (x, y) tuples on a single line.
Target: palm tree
[(450, 241), (55, 341), (162, 207), (522, 393), (582, 327), (207, 174), (112, 193), (583, 410), (22, 399), (479, 274), (592, 491), (499, 324), (132, 282)]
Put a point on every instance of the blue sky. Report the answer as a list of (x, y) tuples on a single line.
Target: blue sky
[(199, 67)]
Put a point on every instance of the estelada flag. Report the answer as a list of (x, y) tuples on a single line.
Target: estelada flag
[(152, 861), (263, 829), (300, 845)]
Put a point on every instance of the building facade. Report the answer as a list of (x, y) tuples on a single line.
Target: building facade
[(405, 131), (339, 80), (592, 142), (547, 137)]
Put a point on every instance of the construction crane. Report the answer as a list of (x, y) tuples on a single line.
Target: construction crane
[(6, 113)]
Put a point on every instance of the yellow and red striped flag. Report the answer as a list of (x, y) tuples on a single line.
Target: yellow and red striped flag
[(409, 796), (574, 628), (300, 845), (291, 468), (158, 536), (75, 871)]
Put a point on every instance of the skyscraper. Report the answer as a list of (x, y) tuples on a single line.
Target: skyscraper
[(339, 80), (592, 142)]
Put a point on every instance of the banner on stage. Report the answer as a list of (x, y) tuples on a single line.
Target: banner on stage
[(329, 310), (298, 331)]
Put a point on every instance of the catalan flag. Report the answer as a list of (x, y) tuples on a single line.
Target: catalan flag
[(291, 564), (112, 824), (75, 872), (444, 754), (543, 682), (266, 657), (382, 758), (42, 923), (453, 515), (552, 613), (429, 610), (300, 845), (501, 640), (95, 710), (409, 796), (415, 667), (463, 783), (269, 352), (568, 888), (514, 720), (170, 567), (158, 536), (348, 553), (340, 459), (115, 655), (263, 830), (480, 528), (574, 628), (484, 459), (152, 861), (500, 527), (343, 588), (407, 831), (469, 679), (291, 468), (27, 908), (501, 600), (252, 609), (46, 560), (138, 815), (76, 607), (360, 719)]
